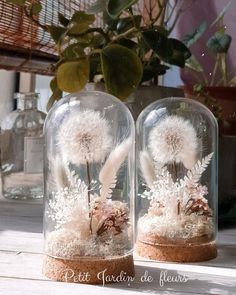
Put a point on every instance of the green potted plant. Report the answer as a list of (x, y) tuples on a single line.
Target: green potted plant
[(218, 91), (129, 49)]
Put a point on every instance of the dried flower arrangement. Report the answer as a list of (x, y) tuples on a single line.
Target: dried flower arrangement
[(179, 213), (87, 221)]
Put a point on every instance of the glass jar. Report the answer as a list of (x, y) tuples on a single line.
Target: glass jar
[(177, 181), (89, 189), (22, 150)]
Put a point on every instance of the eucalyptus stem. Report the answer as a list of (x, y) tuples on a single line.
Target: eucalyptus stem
[(89, 197)]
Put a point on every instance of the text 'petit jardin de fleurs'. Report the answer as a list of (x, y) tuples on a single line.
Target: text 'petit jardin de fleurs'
[(163, 278)]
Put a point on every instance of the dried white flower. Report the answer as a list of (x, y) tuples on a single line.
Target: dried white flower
[(84, 137), (174, 140)]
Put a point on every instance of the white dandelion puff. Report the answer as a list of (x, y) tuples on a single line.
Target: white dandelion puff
[(85, 138), (174, 140)]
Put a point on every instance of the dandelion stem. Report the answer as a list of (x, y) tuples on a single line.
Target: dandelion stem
[(174, 176), (89, 199), (174, 171)]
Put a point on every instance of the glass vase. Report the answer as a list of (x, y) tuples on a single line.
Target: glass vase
[(22, 150), (89, 189), (177, 181)]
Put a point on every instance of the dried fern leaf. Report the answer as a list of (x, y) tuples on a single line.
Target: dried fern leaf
[(194, 174)]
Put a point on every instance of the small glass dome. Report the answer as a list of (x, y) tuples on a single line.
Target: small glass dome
[(89, 188), (177, 181)]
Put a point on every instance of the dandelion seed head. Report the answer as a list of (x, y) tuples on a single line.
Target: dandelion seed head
[(174, 140), (85, 137)]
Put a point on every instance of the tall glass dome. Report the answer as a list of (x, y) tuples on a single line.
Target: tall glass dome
[(89, 189), (177, 181)]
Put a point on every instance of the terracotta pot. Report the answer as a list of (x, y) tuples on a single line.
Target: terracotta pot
[(226, 98)]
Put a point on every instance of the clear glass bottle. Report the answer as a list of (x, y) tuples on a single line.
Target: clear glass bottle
[(89, 189), (22, 150), (177, 181)]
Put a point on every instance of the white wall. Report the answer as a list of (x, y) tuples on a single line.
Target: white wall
[(7, 85)]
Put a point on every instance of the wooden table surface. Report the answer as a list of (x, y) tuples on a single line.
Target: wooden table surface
[(21, 248)]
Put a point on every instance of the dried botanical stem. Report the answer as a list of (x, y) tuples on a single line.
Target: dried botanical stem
[(125, 34), (215, 70), (89, 198), (172, 11)]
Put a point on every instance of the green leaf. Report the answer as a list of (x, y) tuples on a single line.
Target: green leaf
[(115, 7), (97, 6), (17, 2), (193, 64), (193, 37), (73, 50), (122, 70), (222, 13), (56, 32), (63, 20), (126, 23), (219, 43), (72, 76), (180, 53), (159, 43), (232, 82), (36, 8), (80, 22), (56, 93)]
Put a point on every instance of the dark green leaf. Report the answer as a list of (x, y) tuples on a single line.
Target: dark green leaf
[(17, 2), (151, 71), (193, 37), (159, 43), (126, 23), (95, 66), (115, 7), (128, 43), (161, 30), (109, 21), (180, 53), (36, 8), (219, 43), (56, 93), (63, 20), (72, 76), (97, 6), (80, 22), (122, 70), (56, 32)]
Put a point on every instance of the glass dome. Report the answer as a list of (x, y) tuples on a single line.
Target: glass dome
[(177, 181), (89, 188)]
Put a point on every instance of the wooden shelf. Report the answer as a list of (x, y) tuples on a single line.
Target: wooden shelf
[(21, 252)]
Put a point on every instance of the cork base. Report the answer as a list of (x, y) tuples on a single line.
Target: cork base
[(177, 252), (89, 270)]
